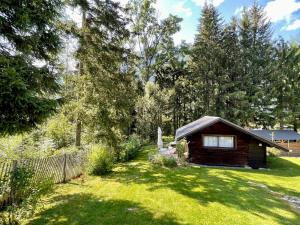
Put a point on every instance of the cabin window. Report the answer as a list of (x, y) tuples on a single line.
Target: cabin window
[(218, 141), (210, 141)]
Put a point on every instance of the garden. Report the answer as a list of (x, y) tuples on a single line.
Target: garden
[(86, 85), (140, 192)]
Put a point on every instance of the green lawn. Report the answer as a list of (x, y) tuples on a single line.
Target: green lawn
[(138, 193)]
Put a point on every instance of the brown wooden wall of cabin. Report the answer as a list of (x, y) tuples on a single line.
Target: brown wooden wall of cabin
[(257, 157), (227, 157)]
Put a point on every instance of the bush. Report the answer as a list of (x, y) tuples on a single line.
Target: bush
[(273, 152), (167, 161), (25, 192), (100, 161), (131, 147), (60, 131), (181, 148), (167, 139)]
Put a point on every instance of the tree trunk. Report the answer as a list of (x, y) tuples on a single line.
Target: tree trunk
[(281, 124), (78, 122), (295, 126), (78, 133)]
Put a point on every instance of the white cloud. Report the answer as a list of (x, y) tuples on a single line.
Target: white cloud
[(294, 25), (238, 10), (180, 8), (122, 2), (162, 8), (214, 2), (183, 35), (74, 14), (278, 10)]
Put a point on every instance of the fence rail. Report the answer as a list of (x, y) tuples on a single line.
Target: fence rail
[(60, 168)]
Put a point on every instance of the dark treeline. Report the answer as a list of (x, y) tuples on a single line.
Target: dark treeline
[(131, 77)]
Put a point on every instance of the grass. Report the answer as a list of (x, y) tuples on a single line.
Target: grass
[(138, 193)]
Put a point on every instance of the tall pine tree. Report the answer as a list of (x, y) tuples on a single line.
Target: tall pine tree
[(256, 55), (206, 63), (29, 34), (106, 86)]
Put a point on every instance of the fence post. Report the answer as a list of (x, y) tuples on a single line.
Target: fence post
[(64, 169)]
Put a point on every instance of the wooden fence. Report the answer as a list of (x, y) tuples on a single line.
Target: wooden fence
[(294, 146), (60, 169)]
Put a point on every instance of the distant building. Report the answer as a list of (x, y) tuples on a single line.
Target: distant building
[(278, 135), (287, 138)]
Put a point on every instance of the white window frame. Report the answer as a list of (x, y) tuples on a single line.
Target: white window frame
[(218, 137)]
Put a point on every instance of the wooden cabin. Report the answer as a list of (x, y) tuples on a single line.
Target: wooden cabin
[(218, 142)]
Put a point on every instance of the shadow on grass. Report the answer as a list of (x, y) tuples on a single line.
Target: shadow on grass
[(208, 185), (81, 209)]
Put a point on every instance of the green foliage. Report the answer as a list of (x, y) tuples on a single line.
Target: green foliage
[(150, 110), (206, 62), (28, 145), (29, 32), (111, 200), (22, 102), (131, 147), (256, 63), (25, 191), (285, 84), (105, 89), (181, 148), (167, 139), (273, 152), (166, 161), (60, 131), (100, 160), (150, 37)]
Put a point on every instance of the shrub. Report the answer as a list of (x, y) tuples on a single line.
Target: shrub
[(167, 161), (60, 131), (167, 139), (131, 147), (25, 194), (273, 152), (181, 148), (100, 161)]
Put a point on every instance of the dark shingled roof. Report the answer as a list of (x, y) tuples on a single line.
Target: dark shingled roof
[(287, 135), (207, 121)]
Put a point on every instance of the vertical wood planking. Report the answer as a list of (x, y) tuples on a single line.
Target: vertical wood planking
[(61, 168)]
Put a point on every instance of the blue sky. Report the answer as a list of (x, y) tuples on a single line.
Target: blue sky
[(284, 15)]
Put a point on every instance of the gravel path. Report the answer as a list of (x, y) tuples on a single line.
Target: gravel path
[(291, 200)]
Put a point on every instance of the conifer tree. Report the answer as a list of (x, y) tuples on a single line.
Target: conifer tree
[(233, 90), (29, 36), (206, 62), (256, 55), (106, 85), (285, 88)]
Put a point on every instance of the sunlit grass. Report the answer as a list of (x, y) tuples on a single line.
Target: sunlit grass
[(139, 193)]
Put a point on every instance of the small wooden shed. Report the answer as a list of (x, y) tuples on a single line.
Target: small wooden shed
[(216, 141)]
